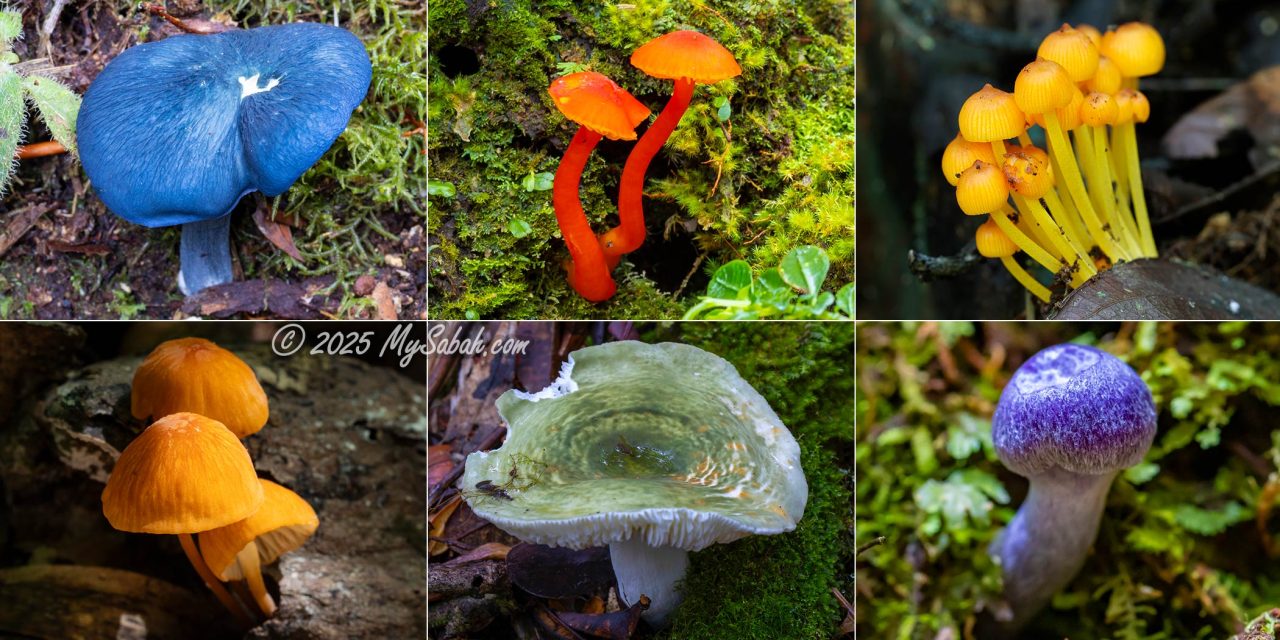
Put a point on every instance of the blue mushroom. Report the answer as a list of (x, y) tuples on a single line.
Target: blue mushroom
[(177, 131), (1069, 420)]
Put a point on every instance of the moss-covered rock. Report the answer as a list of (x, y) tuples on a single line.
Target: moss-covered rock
[(767, 168)]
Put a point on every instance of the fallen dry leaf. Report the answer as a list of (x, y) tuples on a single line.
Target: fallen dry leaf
[(437, 522), (296, 300), (275, 232), (487, 551), (619, 625), (1252, 105), (19, 223), (385, 302), (439, 463), (557, 572)]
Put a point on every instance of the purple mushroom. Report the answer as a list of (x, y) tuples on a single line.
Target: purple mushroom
[(1070, 419)]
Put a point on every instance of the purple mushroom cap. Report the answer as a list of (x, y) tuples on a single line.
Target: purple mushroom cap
[(1075, 408)]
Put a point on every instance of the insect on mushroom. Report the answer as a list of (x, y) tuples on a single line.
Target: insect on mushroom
[(490, 489)]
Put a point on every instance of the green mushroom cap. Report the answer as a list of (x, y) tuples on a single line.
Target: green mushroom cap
[(666, 442)]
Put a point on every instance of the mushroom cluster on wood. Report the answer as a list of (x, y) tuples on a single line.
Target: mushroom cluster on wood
[(1069, 420), (653, 450), (175, 132)]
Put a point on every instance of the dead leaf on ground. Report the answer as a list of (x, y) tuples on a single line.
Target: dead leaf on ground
[(275, 232), (619, 625), (439, 463), (557, 572), (19, 223), (437, 522), (298, 300), (384, 302), (1252, 105), (486, 551)]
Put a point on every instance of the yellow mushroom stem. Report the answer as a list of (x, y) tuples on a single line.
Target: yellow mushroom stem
[(1053, 238), (1071, 223), (250, 567), (211, 581), (1117, 209), (1026, 244), (1035, 288), (1061, 150), (1099, 176), (1129, 137)]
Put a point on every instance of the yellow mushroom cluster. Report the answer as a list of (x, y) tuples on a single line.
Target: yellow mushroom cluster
[(189, 475), (1077, 206)]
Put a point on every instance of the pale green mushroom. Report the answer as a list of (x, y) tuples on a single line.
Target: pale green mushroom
[(654, 450)]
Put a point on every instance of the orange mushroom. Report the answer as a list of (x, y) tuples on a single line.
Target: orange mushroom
[(604, 110), (238, 550), (689, 58), (184, 474), (195, 375)]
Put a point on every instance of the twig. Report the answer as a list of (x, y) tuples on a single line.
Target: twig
[(683, 283), (926, 267), (870, 545), (19, 224), (50, 23), (198, 28)]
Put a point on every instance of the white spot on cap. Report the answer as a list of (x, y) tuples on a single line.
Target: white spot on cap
[(249, 86)]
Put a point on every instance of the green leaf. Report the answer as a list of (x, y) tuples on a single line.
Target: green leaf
[(12, 111), (729, 280), (538, 181), (967, 436), (724, 110), (965, 494), (805, 268), (10, 27), (441, 188), (922, 449), (519, 228), (1210, 523), (1141, 472), (58, 107), (845, 300)]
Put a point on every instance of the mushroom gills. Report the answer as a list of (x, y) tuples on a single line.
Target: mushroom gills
[(205, 254), (644, 570)]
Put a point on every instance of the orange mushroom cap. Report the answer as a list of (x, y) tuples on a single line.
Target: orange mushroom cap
[(1028, 173), (594, 101), (960, 154), (198, 376), (1099, 109), (1073, 50), (1042, 86), (982, 189), (686, 54), (992, 241), (1107, 79), (1136, 48), (184, 474), (1140, 105), (991, 114), (284, 522)]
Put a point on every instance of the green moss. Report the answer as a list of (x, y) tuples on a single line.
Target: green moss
[(776, 175)]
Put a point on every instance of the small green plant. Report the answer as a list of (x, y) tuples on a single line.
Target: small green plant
[(791, 291), (20, 82)]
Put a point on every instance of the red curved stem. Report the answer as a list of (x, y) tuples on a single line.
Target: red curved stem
[(588, 272), (630, 232)]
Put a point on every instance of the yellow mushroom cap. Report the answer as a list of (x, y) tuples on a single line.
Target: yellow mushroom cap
[(992, 241), (1141, 106), (990, 115), (284, 522), (1136, 48), (686, 54), (1068, 116), (1095, 36), (1107, 79), (1098, 109), (1042, 86), (184, 474), (1073, 51), (1028, 173), (594, 101), (197, 376), (981, 189), (1124, 106), (960, 155)]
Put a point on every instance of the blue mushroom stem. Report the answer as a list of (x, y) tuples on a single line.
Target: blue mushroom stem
[(206, 254), (1045, 545)]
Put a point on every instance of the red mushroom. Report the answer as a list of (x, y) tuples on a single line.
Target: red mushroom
[(688, 58), (604, 110)]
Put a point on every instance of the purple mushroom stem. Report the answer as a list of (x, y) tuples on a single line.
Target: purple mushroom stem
[(1069, 420)]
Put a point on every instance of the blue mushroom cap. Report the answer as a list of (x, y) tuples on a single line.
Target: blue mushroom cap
[(177, 131), (1075, 408)]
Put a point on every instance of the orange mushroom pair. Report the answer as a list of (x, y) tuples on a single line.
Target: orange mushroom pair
[(188, 473), (605, 109)]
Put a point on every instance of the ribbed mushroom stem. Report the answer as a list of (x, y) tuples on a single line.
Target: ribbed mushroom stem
[(630, 232), (588, 272), (250, 567), (1045, 545), (211, 581), (649, 571), (205, 254)]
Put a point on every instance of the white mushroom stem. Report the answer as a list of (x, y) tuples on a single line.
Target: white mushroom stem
[(252, 571), (650, 571)]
